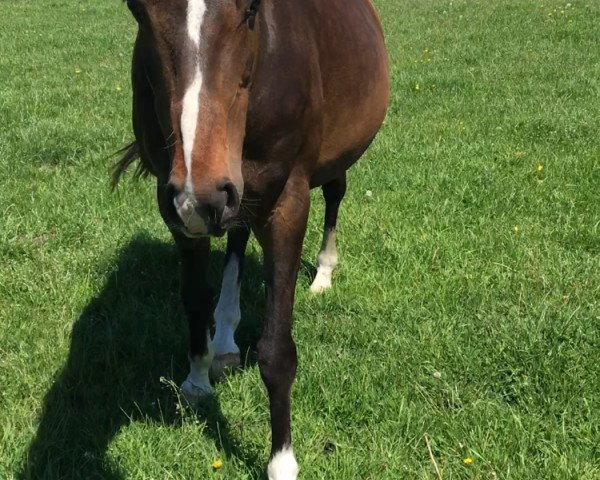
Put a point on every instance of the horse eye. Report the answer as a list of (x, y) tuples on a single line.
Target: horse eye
[(252, 9), (250, 14)]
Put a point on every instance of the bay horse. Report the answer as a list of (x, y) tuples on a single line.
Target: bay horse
[(240, 107)]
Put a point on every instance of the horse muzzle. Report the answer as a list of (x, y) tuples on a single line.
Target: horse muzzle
[(208, 213)]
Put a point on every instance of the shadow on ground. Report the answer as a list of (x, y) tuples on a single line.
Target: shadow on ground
[(125, 340)]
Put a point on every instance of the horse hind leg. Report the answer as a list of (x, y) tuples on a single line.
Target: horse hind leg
[(227, 314), (327, 259)]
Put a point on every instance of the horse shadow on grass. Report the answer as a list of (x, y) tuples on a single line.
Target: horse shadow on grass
[(126, 340)]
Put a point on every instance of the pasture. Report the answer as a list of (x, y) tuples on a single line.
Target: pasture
[(465, 313)]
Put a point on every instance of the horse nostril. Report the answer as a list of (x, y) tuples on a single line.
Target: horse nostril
[(233, 198), (179, 199), (176, 197)]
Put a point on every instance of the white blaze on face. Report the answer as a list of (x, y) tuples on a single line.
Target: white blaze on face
[(195, 15), (191, 100)]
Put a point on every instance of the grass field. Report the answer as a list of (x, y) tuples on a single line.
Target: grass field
[(466, 305)]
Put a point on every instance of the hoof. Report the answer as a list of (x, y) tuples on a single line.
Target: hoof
[(191, 394), (224, 364), (321, 284)]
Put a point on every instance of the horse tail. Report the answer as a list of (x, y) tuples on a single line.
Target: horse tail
[(129, 154)]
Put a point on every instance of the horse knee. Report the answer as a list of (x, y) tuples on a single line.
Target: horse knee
[(196, 300), (277, 360)]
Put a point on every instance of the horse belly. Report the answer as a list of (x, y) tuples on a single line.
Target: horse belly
[(355, 79)]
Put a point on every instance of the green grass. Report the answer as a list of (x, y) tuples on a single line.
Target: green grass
[(466, 305)]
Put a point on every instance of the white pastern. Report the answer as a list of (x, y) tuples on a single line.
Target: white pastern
[(326, 263), (191, 100), (227, 313), (197, 383), (283, 466)]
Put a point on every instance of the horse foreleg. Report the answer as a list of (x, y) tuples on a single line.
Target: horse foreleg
[(197, 299), (281, 240), (196, 296), (227, 313), (327, 259)]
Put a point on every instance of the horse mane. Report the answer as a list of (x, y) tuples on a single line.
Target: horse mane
[(129, 154)]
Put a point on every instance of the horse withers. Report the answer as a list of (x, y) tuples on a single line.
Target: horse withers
[(240, 107)]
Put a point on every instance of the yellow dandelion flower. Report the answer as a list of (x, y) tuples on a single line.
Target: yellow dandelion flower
[(417, 87), (540, 168), (119, 87), (78, 71), (467, 461), (218, 463), (516, 229)]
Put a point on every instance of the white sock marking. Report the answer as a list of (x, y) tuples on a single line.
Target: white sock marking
[(283, 466), (191, 100), (227, 313), (326, 262), (197, 383)]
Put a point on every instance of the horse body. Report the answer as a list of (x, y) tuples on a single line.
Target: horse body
[(321, 86), (239, 108)]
